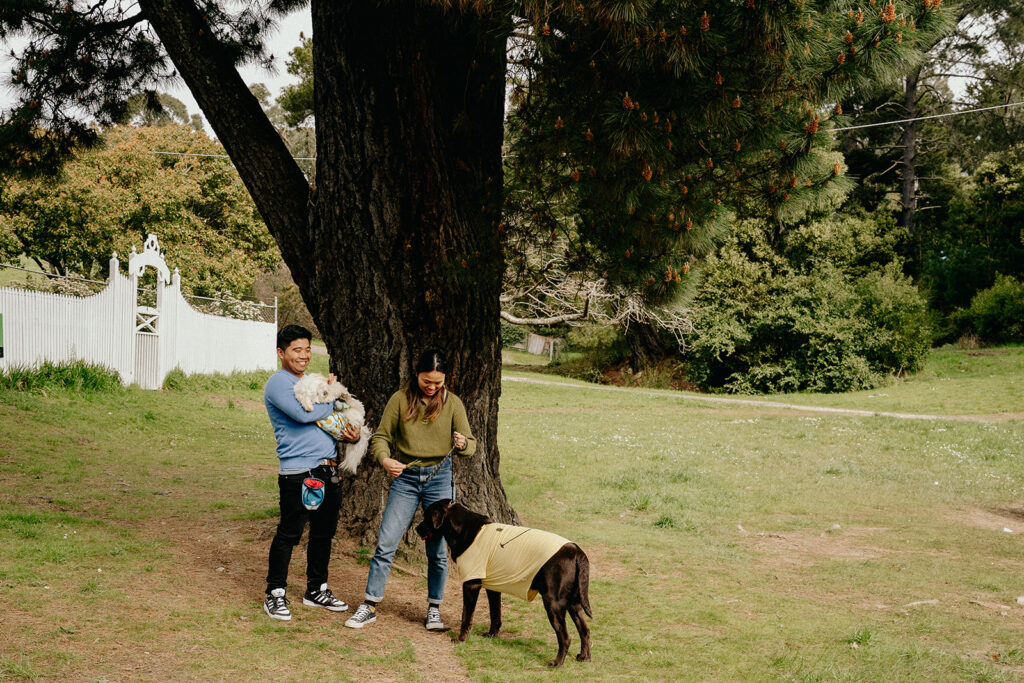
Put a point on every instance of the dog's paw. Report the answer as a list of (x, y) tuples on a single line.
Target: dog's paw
[(555, 662), (583, 657), (463, 635), (491, 634)]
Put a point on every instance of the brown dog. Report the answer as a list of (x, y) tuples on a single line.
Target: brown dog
[(562, 579)]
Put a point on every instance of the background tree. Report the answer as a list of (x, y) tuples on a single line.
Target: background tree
[(109, 198), (299, 138), (983, 232), (913, 169), (826, 308), (159, 109), (297, 99), (399, 243)]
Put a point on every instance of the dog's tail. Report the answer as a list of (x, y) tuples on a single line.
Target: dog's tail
[(354, 452), (583, 581)]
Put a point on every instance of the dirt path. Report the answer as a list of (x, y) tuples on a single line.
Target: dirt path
[(221, 556), (847, 412), (222, 568)]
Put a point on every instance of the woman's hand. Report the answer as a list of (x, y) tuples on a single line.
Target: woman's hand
[(459, 440), (392, 466)]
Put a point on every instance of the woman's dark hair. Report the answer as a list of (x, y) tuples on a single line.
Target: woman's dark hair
[(431, 360)]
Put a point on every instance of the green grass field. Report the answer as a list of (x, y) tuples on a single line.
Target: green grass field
[(727, 542)]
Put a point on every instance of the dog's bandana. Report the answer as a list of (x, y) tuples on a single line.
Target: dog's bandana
[(506, 558), (335, 423)]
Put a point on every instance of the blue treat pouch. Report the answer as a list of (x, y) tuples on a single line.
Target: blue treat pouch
[(312, 493)]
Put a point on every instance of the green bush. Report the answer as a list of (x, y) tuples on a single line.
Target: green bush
[(511, 334), (596, 347), (75, 375), (768, 319), (590, 337), (996, 314), (176, 380)]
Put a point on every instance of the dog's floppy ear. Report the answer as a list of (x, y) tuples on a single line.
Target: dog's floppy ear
[(455, 521), (438, 512)]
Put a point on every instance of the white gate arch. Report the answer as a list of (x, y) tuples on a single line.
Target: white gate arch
[(141, 343)]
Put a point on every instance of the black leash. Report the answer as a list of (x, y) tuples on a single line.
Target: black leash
[(438, 467)]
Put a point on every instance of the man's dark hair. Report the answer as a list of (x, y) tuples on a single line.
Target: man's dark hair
[(289, 333)]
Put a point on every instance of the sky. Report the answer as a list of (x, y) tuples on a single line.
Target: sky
[(279, 44)]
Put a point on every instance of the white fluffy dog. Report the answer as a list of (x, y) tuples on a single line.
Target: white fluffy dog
[(314, 388)]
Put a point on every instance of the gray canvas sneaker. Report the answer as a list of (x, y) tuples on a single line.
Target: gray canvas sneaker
[(434, 622), (363, 616)]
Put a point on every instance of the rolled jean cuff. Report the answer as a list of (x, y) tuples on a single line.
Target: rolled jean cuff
[(371, 598), (434, 603)]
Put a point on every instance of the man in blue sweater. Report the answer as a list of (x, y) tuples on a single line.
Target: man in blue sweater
[(304, 450)]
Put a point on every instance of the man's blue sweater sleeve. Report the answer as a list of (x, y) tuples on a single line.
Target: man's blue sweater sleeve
[(282, 395)]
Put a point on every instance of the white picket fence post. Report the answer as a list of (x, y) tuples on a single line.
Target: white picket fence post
[(141, 343)]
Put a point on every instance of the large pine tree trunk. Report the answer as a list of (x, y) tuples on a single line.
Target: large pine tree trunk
[(409, 115), (396, 249)]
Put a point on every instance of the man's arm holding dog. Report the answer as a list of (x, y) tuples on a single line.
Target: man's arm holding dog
[(281, 394)]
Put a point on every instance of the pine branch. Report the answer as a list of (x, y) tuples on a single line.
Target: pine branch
[(274, 179), (505, 315)]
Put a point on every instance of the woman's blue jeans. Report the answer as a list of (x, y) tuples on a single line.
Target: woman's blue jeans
[(407, 491)]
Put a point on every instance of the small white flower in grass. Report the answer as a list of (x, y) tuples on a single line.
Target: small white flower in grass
[(1008, 530), (100, 571)]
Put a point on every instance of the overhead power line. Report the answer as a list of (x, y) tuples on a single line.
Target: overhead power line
[(834, 130), (932, 116), (223, 156)]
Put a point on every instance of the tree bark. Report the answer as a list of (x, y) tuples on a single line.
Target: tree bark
[(908, 187), (396, 249), (645, 345), (409, 109)]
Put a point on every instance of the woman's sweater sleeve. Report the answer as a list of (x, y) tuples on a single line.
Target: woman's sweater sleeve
[(384, 437), (460, 424)]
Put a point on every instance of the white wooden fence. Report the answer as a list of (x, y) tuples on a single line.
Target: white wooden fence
[(141, 343)]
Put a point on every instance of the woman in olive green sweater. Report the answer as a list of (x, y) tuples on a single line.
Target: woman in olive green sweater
[(422, 424)]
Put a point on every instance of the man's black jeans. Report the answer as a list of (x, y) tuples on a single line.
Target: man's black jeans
[(322, 524)]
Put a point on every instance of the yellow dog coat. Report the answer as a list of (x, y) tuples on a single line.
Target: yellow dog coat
[(506, 558)]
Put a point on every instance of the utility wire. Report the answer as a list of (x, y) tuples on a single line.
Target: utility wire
[(51, 275), (834, 130), (224, 156), (932, 116)]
